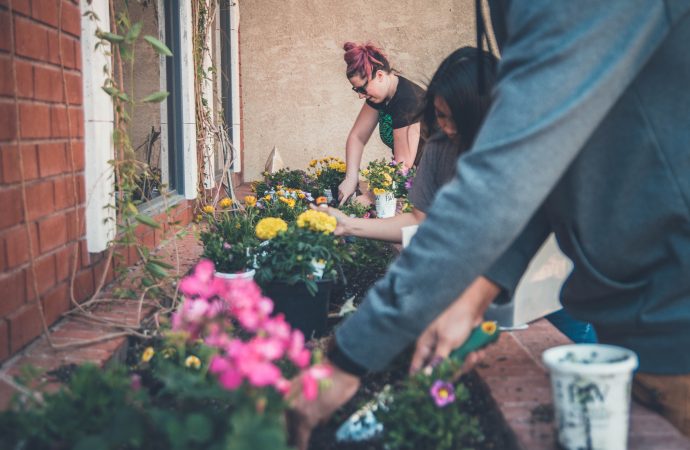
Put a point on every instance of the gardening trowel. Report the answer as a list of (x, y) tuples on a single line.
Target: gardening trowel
[(363, 425)]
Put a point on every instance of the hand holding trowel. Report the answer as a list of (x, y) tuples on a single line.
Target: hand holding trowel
[(363, 425)]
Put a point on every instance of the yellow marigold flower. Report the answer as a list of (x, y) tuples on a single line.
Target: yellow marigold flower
[(321, 200), (250, 201), (208, 209), (489, 327), (317, 221), (148, 354), (318, 173), (365, 172), (388, 179), (267, 198), (269, 227), (199, 217), (225, 203), (291, 202), (280, 193), (192, 362), (283, 199), (301, 195), (379, 191), (312, 163)]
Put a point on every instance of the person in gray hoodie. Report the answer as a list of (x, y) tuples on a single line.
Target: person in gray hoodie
[(587, 137)]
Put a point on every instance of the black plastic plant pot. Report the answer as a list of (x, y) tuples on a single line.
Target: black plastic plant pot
[(303, 311)]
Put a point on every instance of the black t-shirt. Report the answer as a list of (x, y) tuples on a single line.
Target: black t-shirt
[(402, 110)]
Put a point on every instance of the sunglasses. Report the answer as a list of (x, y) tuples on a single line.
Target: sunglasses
[(361, 89)]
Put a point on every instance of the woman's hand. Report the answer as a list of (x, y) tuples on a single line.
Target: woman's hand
[(342, 228), (303, 415), (346, 189)]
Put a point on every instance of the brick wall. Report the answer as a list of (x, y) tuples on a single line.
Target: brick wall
[(52, 149)]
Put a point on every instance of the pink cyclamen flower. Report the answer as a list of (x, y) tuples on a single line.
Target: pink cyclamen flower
[(443, 393)]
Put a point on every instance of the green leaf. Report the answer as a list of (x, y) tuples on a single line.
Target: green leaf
[(110, 37), (147, 220), (199, 428), (156, 97), (162, 264), (156, 271), (134, 32), (158, 46)]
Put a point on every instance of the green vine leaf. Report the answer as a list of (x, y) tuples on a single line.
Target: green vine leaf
[(146, 220), (158, 46), (115, 93), (156, 97), (110, 37), (133, 32)]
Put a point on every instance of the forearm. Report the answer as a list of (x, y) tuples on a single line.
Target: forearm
[(389, 229), (354, 148)]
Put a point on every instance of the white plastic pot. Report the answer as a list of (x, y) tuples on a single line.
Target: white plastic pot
[(247, 275), (385, 205), (591, 386)]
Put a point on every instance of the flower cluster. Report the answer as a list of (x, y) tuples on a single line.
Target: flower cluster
[(293, 179), (269, 227), (329, 172), (379, 174), (229, 239), (286, 203), (390, 176), (317, 221), (211, 307)]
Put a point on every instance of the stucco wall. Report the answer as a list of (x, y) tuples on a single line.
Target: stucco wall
[(294, 91)]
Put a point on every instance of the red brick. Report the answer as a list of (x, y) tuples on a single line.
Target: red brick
[(75, 228), (59, 124), (99, 268), (17, 245), (25, 79), (34, 120), (68, 49), (6, 82), (9, 161), (76, 150), (56, 302), (10, 199), (51, 159), (8, 122), (46, 11), (81, 189), (31, 39), (3, 258), (4, 341), (12, 286), (39, 199), (64, 192), (52, 232), (19, 6), (5, 36), (63, 262), (83, 285), (71, 19), (74, 88), (25, 325), (48, 84), (44, 267)]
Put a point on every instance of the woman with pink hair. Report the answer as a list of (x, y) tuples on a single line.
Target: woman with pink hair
[(392, 102)]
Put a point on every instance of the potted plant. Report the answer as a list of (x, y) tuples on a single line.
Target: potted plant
[(229, 240), (297, 265), (380, 177), (328, 172), (282, 202)]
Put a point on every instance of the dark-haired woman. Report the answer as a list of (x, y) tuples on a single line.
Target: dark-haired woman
[(392, 102), (453, 109)]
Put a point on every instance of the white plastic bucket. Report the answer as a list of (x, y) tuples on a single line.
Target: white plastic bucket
[(591, 386), (248, 275), (385, 205)]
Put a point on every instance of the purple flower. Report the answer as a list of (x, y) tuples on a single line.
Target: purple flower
[(443, 393), (408, 184), (227, 246)]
